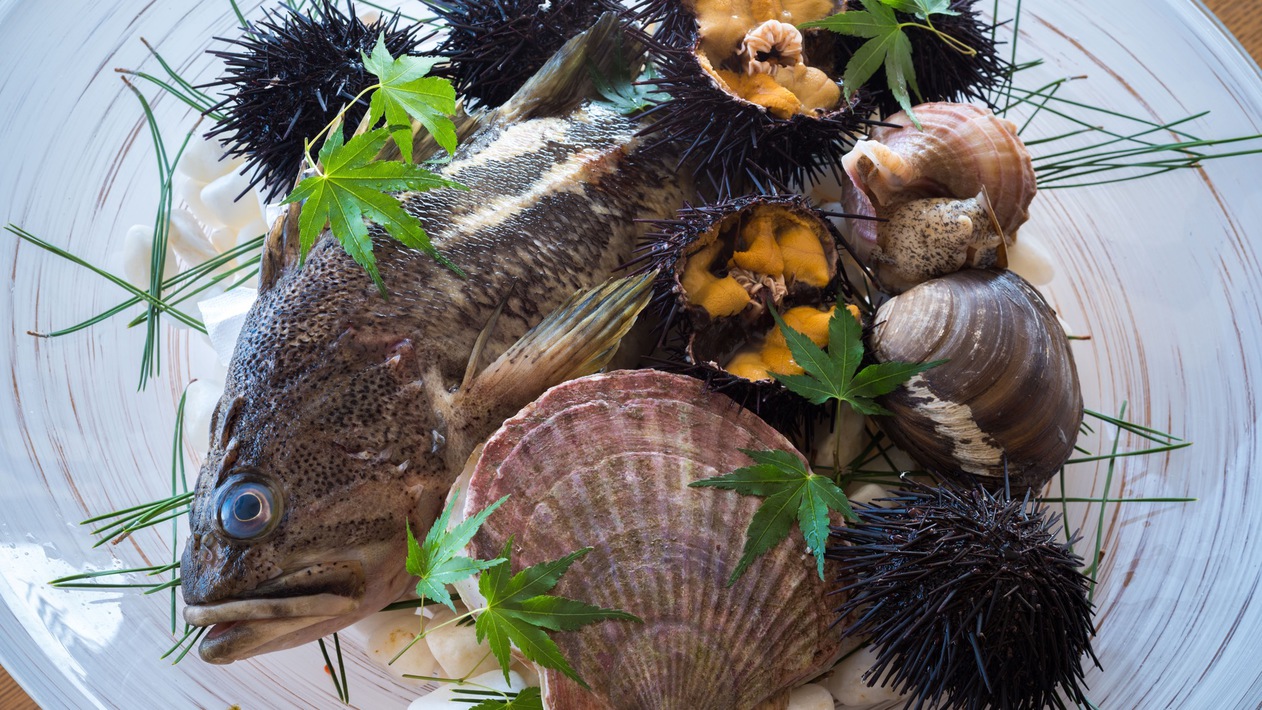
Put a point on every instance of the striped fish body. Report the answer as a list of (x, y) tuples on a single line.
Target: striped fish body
[(347, 416)]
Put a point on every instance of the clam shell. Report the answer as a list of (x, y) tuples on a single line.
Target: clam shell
[(1009, 394), (605, 462)]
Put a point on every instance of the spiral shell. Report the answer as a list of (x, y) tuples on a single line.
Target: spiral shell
[(951, 191), (1008, 396), (605, 462)]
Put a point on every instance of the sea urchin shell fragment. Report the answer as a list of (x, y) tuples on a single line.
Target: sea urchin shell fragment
[(1007, 401), (971, 599), (605, 462)]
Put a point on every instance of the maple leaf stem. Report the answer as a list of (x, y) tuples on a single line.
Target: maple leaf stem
[(426, 632), (336, 120), (837, 442), (950, 41)]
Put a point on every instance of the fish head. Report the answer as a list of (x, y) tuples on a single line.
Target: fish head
[(298, 519)]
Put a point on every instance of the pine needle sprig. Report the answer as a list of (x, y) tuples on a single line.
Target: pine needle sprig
[(119, 524), (88, 580), (186, 643), (341, 687), (139, 296), (177, 86), (1103, 146)]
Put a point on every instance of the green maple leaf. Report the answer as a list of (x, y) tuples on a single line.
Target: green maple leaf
[(625, 92), (526, 699), (887, 45), (922, 8), (437, 562), (406, 92), (792, 493), (351, 187), (835, 375), (519, 612)]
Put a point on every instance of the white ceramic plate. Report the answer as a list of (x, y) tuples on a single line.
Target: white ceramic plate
[(1164, 274)]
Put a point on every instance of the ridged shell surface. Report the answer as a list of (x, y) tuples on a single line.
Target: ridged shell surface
[(605, 462), (1008, 394), (959, 150)]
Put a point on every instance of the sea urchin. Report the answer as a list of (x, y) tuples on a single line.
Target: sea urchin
[(721, 268), (968, 597), (942, 72), (752, 101), (288, 75)]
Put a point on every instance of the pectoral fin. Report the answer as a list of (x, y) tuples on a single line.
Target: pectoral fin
[(577, 339)]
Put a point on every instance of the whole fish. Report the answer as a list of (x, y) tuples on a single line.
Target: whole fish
[(346, 416)]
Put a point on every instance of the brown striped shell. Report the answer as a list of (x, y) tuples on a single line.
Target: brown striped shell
[(605, 462), (950, 192), (1009, 393)]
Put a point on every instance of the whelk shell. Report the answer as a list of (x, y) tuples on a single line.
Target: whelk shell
[(1008, 399), (604, 462), (964, 157)]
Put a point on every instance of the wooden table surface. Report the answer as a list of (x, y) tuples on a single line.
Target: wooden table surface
[(1243, 19)]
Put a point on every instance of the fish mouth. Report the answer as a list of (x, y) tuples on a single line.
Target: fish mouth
[(284, 612)]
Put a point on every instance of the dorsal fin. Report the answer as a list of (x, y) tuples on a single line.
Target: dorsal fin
[(280, 249), (565, 80)]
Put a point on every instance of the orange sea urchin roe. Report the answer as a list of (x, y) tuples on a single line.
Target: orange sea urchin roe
[(780, 243), (757, 363), (720, 297), (763, 90), (802, 252)]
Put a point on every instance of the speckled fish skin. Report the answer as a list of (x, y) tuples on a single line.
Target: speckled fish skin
[(348, 404)]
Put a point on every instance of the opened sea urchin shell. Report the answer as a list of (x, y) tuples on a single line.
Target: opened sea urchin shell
[(1008, 397), (752, 99), (722, 268), (605, 461)]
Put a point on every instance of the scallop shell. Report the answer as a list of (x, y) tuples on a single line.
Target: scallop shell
[(1008, 397), (963, 153), (605, 462)]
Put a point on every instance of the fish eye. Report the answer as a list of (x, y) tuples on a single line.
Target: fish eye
[(247, 508)]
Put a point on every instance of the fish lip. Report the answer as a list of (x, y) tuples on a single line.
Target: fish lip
[(237, 640), (261, 618), (267, 609)]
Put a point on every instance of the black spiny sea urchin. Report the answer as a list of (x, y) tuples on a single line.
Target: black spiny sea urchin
[(288, 75), (493, 46), (969, 598), (943, 73)]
